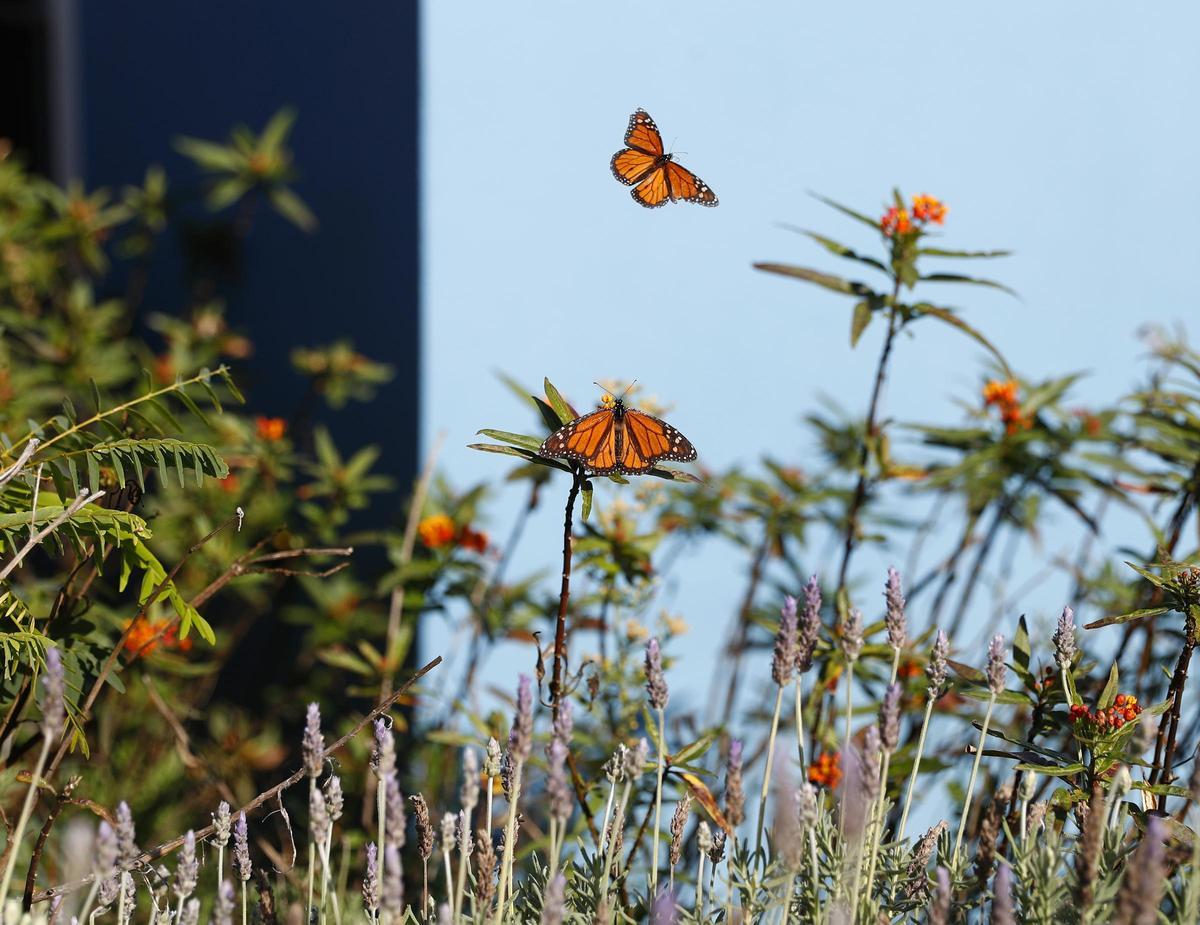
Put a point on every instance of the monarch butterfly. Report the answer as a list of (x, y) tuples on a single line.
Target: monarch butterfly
[(618, 439), (654, 175)]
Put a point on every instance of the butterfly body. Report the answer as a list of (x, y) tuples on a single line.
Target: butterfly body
[(618, 439), (653, 172)]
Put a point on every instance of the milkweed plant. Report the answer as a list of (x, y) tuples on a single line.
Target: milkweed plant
[(892, 746)]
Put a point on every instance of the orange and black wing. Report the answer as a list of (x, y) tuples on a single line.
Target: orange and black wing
[(643, 148), (687, 186), (653, 191), (590, 440), (649, 440)]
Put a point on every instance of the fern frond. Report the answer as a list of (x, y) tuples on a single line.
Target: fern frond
[(62, 427), (132, 457)]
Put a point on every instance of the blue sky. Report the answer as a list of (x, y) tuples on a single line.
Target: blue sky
[(1066, 132)]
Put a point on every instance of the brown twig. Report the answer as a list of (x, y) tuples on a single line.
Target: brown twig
[(564, 594), (153, 854), (737, 645), (861, 486), (60, 798), (1162, 770)]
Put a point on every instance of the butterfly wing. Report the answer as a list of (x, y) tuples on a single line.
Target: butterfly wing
[(687, 186), (590, 440), (653, 191), (642, 134), (643, 148), (631, 166), (649, 440)]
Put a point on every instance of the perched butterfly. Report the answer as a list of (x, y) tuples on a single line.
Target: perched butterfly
[(654, 175), (618, 439)]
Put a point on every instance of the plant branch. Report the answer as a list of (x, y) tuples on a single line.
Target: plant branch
[(83, 498), (564, 594)]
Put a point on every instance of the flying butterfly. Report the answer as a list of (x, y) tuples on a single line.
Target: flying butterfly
[(618, 439), (653, 174)]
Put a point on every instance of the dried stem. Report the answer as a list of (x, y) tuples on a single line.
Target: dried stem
[(564, 594)]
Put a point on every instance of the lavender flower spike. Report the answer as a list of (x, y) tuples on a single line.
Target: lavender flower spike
[(370, 884), (187, 873), (222, 825), (1002, 901), (554, 907), (564, 722), (53, 706), (383, 758), (936, 671), (783, 662), (520, 738), (897, 627), (313, 744), (127, 849), (241, 848), (1064, 639), (333, 797), (558, 791), (889, 718), (468, 794), (656, 681), (810, 626), (997, 671), (852, 634)]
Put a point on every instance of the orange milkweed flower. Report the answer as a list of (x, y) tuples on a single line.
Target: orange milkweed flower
[(436, 530), (895, 221), (475, 540), (826, 770), (270, 428), (996, 392), (926, 208)]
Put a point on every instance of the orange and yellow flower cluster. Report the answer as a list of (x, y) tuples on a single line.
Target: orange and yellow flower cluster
[(270, 429), (1004, 396), (1125, 709), (926, 210), (826, 770), (438, 530)]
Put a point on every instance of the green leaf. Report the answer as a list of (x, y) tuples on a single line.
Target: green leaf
[(859, 321), (1052, 770), (225, 193), (1157, 580), (825, 280), (275, 133), (693, 750), (940, 252), (522, 440), (1109, 694), (587, 499), (972, 280), (1127, 617), (208, 155), (841, 250), (846, 210), (1021, 652), (946, 315), (516, 451), (983, 694), (566, 414), (293, 208)]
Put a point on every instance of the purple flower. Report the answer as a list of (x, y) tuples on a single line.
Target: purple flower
[(936, 671), (889, 718), (810, 626), (383, 759), (897, 628), (555, 905), (241, 848), (783, 662), (852, 634), (735, 794), (370, 884), (54, 705), (557, 790), (656, 682), (520, 738), (313, 745), (996, 669), (1064, 639)]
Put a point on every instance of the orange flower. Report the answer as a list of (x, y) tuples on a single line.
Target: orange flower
[(475, 540), (436, 530), (1124, 709), (996, 392), (141, 637), (895, 221), (270, 428), (230, 484), (826, 770), (928, 208)]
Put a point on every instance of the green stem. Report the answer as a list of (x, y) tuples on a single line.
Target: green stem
[(14, 842), (912, 778), (766, 784), (800, 723), (698, 908), (962, 823)]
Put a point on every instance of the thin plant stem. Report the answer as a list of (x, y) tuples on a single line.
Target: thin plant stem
[(698, 908), (766, 784), (510, 830), (23, 820), (564, 594), (800, 722), (612, 789), (846, 742), (816, 874), (119, 916), (860, 489), (662, 759), (912, 777), (875, 830), (787, 898), (962, 823), (490, 799), (618, 819), (449, 879), (381, 822)]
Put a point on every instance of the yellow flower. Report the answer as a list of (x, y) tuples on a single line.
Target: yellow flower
[(675, 626), (635, 631)]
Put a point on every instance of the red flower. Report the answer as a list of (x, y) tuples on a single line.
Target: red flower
[(270, 429), (475, 540), (436, 530), (826, 770), (926, 208), (895, 221)]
